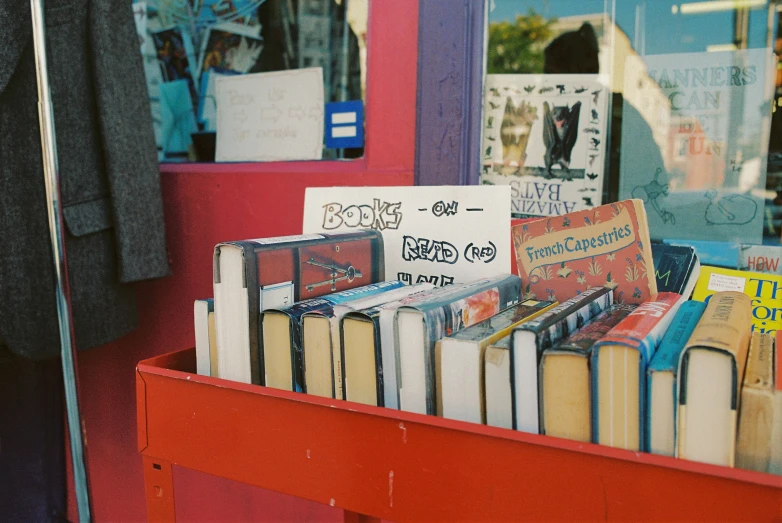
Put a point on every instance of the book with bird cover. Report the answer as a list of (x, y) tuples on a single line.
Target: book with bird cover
[(545, 136)]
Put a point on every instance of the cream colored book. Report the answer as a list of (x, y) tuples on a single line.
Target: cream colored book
[(756, 414), (711, 371)]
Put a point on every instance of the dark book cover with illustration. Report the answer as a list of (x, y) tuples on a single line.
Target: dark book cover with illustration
[(673, 265), (282, 270), (502, 321)]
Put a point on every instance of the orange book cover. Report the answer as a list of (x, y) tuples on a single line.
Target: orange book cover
[(562, 256)]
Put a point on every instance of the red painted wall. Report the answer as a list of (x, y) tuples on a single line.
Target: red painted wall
[(206, 204)]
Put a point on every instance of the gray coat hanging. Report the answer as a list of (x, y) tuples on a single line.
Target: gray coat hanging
[(110, 186)]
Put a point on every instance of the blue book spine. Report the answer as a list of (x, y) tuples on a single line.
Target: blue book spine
[(362, 292), (666, 359)]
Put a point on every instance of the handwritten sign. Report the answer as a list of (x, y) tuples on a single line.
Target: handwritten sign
[(440, 234), (270, 116)]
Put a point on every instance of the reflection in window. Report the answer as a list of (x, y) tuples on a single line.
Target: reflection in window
[(187, 44), (695, 128)]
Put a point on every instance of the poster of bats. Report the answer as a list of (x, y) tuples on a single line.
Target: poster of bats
[(545, 136)]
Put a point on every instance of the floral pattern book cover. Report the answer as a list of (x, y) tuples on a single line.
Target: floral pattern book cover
[(562, 256)]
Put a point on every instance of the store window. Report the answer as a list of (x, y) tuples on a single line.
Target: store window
[(195, 50), (673, 102)]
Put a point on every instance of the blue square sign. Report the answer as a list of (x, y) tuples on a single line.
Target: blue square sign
[(345, 124)]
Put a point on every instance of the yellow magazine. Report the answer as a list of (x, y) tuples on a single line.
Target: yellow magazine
[(765, 290)]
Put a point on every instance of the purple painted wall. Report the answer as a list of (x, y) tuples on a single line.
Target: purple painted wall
[(450, 79)]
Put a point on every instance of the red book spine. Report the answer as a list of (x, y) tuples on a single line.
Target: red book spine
[(640, 323)]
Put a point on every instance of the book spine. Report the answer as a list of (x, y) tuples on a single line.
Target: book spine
[(583, 340), (564, 309), (586, 306), (452, 317), (257, 370)]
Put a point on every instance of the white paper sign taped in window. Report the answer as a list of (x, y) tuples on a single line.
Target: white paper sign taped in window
[(270, 116)]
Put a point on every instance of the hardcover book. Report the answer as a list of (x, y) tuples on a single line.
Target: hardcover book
[(368, 357), (253, 275), (619, 362), (756, 416), (282, 345), (496, 383), (419, 324), (545, 136), (676, 268), (711, 372), (320, 344), (203, 317), (530, 339), (607, 246), (775, 460), (459, 361), (765, 290), (565, 379), (662, 380)]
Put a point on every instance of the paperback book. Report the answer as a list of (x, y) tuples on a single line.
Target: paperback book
[(320, 344), (765, 291), (282, 338), (205, 337), (419, 324), (459, 361), (368, 352), (676, 268)]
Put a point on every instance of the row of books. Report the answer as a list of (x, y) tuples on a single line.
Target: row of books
[(586, 355)]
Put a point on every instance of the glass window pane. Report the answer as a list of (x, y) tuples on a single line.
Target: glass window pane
[(187, 44), (693, 126)]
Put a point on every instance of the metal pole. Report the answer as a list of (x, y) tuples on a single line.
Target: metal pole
[(344, 65), (52, 178)]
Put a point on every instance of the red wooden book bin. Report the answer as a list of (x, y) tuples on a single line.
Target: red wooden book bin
[(382, 463)]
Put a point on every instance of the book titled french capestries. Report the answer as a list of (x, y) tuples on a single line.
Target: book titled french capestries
[(529, 340), (562, 256), (420, 323), (253, 275)]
